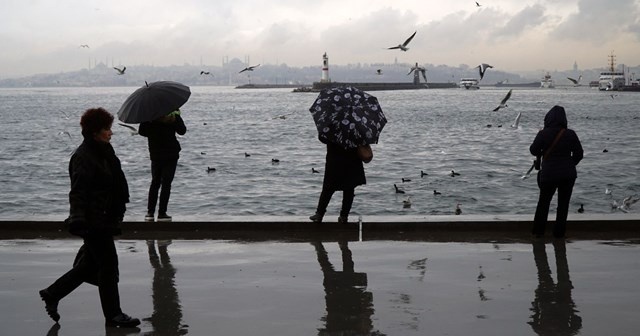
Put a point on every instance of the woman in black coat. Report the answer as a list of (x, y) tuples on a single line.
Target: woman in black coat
[(557, 171), (343, 171), (97, 203), (164, 150)]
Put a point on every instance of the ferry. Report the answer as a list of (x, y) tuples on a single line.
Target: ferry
[(469, 83), (611, 80), (547, 82)]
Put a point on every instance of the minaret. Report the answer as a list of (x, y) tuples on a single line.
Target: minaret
[(325, 69)]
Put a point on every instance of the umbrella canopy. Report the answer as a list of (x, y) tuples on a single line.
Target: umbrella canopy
[(347, 116), (153, 101)]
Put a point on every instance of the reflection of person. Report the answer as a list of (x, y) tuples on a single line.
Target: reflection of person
[(97, 201), (343, 171), (164, 150), (558, 169), (554, 312), (167, 312), (349, 305)]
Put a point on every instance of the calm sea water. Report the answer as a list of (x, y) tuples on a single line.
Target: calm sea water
[(434, 131)]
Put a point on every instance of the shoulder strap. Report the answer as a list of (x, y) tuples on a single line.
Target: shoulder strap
[(553, 144)]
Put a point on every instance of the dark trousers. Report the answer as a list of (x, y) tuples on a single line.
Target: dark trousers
[(547, 190), (162, 173), (96, 263), (325, 198)]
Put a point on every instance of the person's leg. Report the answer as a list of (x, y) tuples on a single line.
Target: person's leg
[(66, 284), (103, 251), (323, 203), (564, 197), (542, 210), (347, 202), (168, 173), (156, 180)]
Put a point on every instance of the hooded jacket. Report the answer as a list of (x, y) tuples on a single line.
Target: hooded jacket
[(560, 164), (163, 144)]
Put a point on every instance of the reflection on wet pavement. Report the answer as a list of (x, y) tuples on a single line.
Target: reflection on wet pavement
[(336, 287), (554, 312)]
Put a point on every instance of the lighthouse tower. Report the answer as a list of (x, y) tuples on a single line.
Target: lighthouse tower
[(325, 69)]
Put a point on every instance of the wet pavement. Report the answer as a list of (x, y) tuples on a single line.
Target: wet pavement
[(337, 285)]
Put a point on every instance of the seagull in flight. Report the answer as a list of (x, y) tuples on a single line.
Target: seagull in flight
[(204, 72), (249, 68), (482, 68), (133, 130), (84, 46), (403, 46), (503, 103), (477, 4), (517, 121), (121, 71), (576, 82)]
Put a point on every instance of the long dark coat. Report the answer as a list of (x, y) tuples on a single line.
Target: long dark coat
[(343, 168), (560, 164), (99, 190), (163, 144)]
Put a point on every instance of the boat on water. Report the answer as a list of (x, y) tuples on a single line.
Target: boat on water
[(469, 83), (611, 80), (547, 82), (506, 83)]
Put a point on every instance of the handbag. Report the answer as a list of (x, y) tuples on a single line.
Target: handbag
[(365, 153), (538, 161)]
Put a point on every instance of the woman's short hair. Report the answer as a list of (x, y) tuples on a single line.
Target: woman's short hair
[(94, 120)]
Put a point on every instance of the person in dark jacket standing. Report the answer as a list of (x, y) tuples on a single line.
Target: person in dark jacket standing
[(557, 171), (343, 171), (164, 150), (97, 200)]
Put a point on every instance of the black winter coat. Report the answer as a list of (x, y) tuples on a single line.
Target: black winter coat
[(560, 164), (99, 190), (163, 144), (343, 168)]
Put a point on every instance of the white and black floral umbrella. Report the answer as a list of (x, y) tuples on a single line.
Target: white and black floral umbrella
[(347, 116)]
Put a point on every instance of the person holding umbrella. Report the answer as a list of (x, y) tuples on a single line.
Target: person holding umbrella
[(346, 118), (164, 150), (97, 203), (156, 106)]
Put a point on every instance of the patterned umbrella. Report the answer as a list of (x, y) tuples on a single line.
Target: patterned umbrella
[(347, 116)]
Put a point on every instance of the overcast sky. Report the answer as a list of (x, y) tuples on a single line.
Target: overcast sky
[(44, 36)]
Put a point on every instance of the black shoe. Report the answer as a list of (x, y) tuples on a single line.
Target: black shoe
[(343, 220), (163, 217), (122, 320), (50, 305), (317, 218)]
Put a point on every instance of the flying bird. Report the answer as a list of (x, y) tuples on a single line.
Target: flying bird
[(576, 82), (517, 121), (379, 72), (403, 46), (477, 4), (503, 103), (205, 73), (482, 68), (121, 71), (134, 131), (249, 68), (418, 69), (84, 46)]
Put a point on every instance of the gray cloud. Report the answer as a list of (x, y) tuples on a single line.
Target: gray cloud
[(597, 21), (528, 18)]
